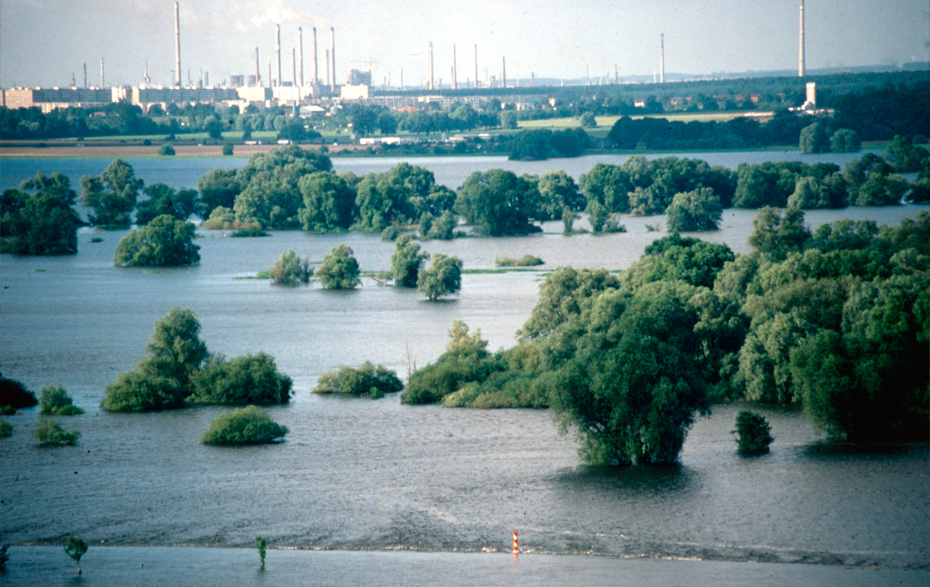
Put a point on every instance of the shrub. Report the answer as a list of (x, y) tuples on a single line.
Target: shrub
[(166, 150), (50, 433), (252, 379), (406, 262), (753, 434), (249, 425), (227, 149), (365, 380), (6, 429), (15, 395), (524, 261), (53, 399), (290, 269), (389, 234)]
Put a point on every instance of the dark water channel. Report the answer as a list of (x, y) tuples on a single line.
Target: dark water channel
[(362, 474)]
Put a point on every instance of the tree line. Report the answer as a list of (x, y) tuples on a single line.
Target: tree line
[(292, 187)]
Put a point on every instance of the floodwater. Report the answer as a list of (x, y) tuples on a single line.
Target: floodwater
[(358, 474)]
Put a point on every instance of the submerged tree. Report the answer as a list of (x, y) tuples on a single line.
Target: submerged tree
[(339, 269), (406, 262), (76, 548), (442, 278), (164, 242), (753, 433)]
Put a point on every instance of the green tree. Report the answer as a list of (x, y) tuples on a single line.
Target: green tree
[(697, 210), (227, 149), (406, 262), (163, 379), (608, 185), (498, 203), (813, 192), (289, 269), (753, 433), (814, 139), (260, 544), (76, 548), (166, 150), (252, 379), (508, 119), (442, 278), (218, 187), (248, 425), (15, 395), (778, 234), (165, 241), (163, 199), (557, 191), (845, 140), (531, 145), (112, 194), (40, 224), (328, 202), (339, 269), (904, 155)]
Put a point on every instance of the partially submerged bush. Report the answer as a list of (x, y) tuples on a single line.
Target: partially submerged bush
[(249, 425), (290, 269), (6, 429), (50, 433), (252, 379), (365, 380), (53, 399), (753, 434), (524, 261), (15, 395)]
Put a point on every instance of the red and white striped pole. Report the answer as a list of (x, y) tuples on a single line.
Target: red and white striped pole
[(516, 549)]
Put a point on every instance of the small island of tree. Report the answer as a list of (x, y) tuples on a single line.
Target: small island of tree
[(753, 433), (290, 269), (53, 399), (164, 242), (406, 262), (365, 380), (694, 211)]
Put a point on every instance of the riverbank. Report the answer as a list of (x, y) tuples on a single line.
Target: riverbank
[(171, 565)]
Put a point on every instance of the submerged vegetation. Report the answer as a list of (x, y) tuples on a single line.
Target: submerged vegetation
[(178, 369), (50, 433), (248, 425), (835, 321), (365, 380)]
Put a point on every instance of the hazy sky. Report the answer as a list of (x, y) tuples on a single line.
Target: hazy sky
[(42, 42)]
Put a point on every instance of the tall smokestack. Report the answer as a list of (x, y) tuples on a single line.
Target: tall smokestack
[(177, 45), (332, 34), (801, 44), (455, 78), (662, 58), (316, 63), (476, 65), (503, 72), (101, 73), (258, 73), (293, 66), (277, 51), (300, 54), (431, 86), (327, 68), (85, 75)]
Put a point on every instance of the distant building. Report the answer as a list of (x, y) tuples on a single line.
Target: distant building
[(55, 98), (353, 92), (236, 81), (359, 78)]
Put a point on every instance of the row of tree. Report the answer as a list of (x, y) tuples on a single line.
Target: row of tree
[(836, 321)]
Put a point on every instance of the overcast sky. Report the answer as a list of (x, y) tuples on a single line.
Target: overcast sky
[(44, 42)]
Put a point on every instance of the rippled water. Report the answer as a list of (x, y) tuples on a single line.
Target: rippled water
[(361, 474)]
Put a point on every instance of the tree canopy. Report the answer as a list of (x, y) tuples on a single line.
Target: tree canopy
[(339, 269), (163, 242)]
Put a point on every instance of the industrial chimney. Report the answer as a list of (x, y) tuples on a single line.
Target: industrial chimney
[(177, 46), (476, 65), (277, 51), (801, 44), (300, 54), (662, 58), (431, 86), (316, 63), (258, 73), (332, 33), (503, 72), (455, 78)]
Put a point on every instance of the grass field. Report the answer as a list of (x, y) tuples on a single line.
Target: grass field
[(606, 122)]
